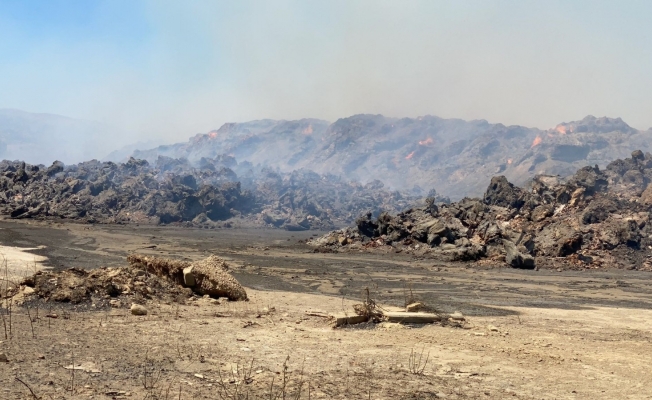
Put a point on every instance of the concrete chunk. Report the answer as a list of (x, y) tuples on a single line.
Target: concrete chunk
[(189, 277)]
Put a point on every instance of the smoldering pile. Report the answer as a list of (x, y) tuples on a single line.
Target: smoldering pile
[(595, 218), (207, 195)]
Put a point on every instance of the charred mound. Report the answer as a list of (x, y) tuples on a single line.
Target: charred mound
[(455, 156), (172, 191), (594, 218)]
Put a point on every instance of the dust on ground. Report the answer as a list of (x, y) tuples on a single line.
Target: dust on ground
[(198, 349), (533, 334), (17, 262)]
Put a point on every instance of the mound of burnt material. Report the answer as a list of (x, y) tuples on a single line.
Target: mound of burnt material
[(108, 192), (173, 191), (595, 218), (303, 199), (457, 157), (145, 278)]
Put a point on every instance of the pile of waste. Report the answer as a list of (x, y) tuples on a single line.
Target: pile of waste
[(146, 278), (173, 191), (454, 156), (592, 219)]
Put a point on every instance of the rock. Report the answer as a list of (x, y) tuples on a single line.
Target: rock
[(515, 258), (456, 316), (570, 245), (492, 328), (576, 196), (3, 358), (212, 278), (115, 303), (189, 277), (542, 212), (414, 307), (646, 196), (137, 309), (502, 193), (28, 290), (366, 225)]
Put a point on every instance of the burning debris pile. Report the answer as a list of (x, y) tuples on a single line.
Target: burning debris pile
[(106, 192), (321, 199), (207, 195), (457, 157), (595, 218)]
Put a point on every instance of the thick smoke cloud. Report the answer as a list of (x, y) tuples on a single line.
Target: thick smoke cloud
[(167, 70)]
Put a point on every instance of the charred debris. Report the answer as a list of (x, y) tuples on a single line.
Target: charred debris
[(206, 194), (592, 219)]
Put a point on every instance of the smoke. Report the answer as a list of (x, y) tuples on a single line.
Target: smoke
[(166, 70)]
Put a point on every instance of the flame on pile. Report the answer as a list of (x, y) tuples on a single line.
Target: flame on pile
[(212, 135), (537, 141), (509, 161), (308, 130), (425, 142), (561, 129), (409, 156)]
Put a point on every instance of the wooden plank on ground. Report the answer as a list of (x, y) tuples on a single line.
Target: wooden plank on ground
[(411, 317), (345, 319)]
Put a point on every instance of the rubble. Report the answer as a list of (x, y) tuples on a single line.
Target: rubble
[(172, 191), (595, 218), (145, 278)]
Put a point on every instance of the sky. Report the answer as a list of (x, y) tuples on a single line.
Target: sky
[(169, 69)]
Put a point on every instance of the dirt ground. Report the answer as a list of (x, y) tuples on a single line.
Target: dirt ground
[(531, 334)]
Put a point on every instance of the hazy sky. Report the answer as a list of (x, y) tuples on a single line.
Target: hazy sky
[(170, 69)]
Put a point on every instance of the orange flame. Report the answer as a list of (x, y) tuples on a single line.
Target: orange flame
[(537, 141), (409, 156), (212, 135), (308, 130), (561, 129), (425, 142), (509, 161)]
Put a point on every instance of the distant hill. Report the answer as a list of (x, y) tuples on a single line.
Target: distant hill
[(454, 156), (43, 138)]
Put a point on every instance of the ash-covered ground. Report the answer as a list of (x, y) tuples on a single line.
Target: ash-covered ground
[(568, 334)]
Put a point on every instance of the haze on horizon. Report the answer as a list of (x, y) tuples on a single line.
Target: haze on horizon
[(167, 70)]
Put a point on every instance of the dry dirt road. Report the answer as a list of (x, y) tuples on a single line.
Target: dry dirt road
[(531, 334)]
